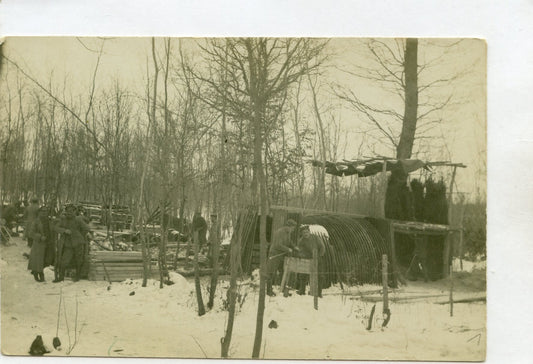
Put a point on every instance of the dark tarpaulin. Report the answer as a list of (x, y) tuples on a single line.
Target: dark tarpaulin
[(370, 167)]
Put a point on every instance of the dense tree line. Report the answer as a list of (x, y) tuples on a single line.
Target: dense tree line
[(188, 138)]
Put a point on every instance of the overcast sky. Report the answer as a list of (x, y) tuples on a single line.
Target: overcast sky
[(463, 126)]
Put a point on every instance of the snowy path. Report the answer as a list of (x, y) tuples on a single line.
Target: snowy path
[(157, 322)]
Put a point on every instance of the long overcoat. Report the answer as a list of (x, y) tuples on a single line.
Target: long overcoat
[(40, 233)]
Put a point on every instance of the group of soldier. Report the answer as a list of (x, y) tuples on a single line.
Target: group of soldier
[(283, 245), (61, 241)]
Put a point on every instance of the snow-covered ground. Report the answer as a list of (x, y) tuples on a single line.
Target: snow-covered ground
[(126, 320)]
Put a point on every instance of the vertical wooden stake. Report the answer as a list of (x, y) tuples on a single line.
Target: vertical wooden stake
[(314, 278), (461, 248), (451, 290), (448, 243), (384, 189), (446, 256), (450, 197), (396, 275), (384, 277)]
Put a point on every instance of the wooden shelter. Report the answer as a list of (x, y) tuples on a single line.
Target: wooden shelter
[(355, 243), (421, 232)]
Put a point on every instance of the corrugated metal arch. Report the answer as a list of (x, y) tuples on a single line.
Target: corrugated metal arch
[(353, 250)]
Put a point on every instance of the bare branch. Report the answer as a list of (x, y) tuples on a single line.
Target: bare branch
[(62, 103)]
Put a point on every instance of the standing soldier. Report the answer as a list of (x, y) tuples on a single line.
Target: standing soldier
[(281, 246), (307, 243), (72, 246), (40, 234), (199, 224), (30, 214)]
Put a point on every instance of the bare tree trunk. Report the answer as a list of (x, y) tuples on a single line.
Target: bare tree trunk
[(214, 237), (198, 287), (258, 164), (164, 168), (407, 137), (162, 259), (151, 120), (323, 148), (232, 292)]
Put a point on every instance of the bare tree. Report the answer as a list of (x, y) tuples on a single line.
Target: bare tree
[(413, 108), (259, 72)]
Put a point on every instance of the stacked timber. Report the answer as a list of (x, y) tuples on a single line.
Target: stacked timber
[(117, 266)]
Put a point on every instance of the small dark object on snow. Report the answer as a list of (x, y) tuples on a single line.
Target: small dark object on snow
[(369, 327), (37, 347), (132, 293), (26, 255), (273, 325), (168, 282), (109, 288), (57, 343)]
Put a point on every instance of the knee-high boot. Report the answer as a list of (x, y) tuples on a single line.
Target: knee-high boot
[(59, 274)]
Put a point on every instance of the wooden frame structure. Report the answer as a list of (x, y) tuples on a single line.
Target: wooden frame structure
[(420, 230), (372, 166)]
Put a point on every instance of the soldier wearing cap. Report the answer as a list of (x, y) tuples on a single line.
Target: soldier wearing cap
[(281, 246), (30, 215), (200, 225), (306, 245), (40, 233), (72, 244)]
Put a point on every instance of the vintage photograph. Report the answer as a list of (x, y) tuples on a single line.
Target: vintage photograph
[(244, 198)]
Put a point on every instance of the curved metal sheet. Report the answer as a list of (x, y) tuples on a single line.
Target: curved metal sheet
[(353, 250)]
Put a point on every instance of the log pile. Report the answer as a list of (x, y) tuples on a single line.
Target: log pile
[(117, 266)]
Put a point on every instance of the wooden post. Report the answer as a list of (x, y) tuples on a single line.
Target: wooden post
[(450, 197), (384, 278), (461, 247), (314, 278), (396, 276), (448, 243), (286, 274), (384, 191), (451, 290), (446, 256)]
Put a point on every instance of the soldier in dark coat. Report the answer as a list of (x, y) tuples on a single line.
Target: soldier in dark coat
[(30, 215), (72, 246), (214, 240), (50, 253), (281, 247), (200, 225), (307, 243), (40, 233)]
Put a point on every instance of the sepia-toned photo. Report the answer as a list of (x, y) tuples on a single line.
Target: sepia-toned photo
[(244, 198)]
